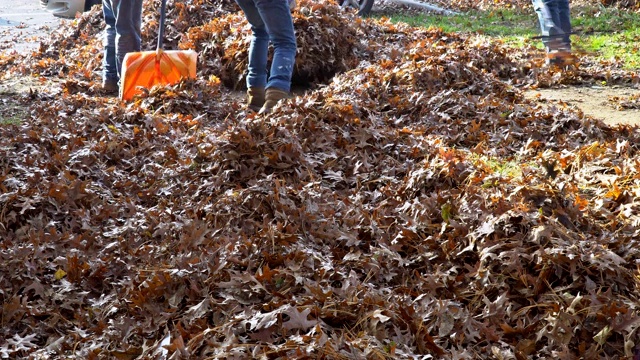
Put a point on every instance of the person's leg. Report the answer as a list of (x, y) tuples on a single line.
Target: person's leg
[(564, 21), (109, 65), (128, 15), (258, 50), (276, 15), (258, 53), (544, 19), (88, 4), (547, 11)]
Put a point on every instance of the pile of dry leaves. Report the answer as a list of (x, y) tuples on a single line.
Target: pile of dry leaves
[(415, 206), (623, 4), (626, 102)]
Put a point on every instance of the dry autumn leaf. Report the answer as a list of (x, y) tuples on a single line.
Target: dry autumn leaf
[(408, 203)]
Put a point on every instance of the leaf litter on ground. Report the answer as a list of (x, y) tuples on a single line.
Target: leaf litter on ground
[(411, 203)]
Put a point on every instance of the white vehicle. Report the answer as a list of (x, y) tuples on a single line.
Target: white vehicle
[(68, 8)]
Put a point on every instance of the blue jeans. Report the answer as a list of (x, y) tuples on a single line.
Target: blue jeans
[(270, 20), (122, 34), (555, 22)]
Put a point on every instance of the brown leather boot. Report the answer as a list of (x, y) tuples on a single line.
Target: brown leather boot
[(110, 86), (255, 98), (272, 96)]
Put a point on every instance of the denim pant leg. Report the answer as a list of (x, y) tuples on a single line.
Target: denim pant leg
[(551, 22), (276, 15), (564, 20), (109, 65), (128, 14), (258, 50)]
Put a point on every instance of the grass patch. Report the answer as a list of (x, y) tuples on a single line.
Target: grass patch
[(503, 168), (14, 120), (605, 33), (496, 23), (609, 33), (11, 111)]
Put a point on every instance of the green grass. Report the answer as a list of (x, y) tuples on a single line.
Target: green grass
[(13, 120), (503, 23), (11, 112), (504, 168), (605, 33)]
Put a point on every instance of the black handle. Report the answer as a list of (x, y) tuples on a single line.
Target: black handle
[(163, 9)]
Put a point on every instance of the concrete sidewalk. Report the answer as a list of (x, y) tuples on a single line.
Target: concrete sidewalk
[(23, 23)]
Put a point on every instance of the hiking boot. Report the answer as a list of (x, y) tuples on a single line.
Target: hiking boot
[(559, 54), (255, 98), (560, 58), (553, 58), (110, 86), (272, 97)]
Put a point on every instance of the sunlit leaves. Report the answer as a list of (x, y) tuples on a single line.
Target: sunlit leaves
[(417, 205)]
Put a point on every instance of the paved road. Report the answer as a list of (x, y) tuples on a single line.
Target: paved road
[(23, 23)]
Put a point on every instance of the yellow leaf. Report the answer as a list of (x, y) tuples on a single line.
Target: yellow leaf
[(114, 129), (60, 274), (614, 193), (446, 212)]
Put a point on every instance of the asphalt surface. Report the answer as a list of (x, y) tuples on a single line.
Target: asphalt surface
[(23, 23)]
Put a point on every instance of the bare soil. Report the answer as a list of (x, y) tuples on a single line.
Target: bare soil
[(594, 101), (23, 23)]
